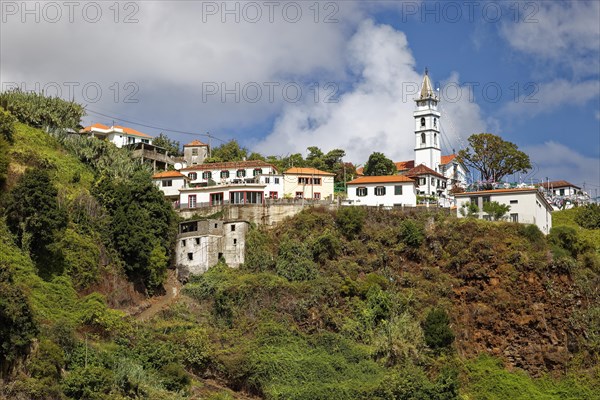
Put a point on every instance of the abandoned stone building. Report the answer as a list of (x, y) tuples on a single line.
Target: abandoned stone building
[(201, 243)]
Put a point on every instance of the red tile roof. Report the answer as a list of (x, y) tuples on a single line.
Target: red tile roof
[(558, 184), (131, 131), (446, 159), (422, 169), (307, 171), (381, 179), (230, 165), (97, 126), (168, 174), (195, 143), (404, 165)]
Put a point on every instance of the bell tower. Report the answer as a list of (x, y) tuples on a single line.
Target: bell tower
[(427, 127)]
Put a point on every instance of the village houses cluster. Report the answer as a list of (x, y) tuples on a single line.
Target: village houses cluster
[(430, 179)]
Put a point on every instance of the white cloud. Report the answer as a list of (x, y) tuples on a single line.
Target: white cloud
[(565, 33), (376, 113), (556, 161), (549, 96)]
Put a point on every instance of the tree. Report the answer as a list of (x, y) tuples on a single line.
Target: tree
[(588, 216), (436, 329), (230, 151), (379, 164), (469, 210), (33, 216), (495, 210), (493, 157), (172, 146)]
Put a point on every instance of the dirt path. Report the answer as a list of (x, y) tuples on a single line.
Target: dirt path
[(172, 289)]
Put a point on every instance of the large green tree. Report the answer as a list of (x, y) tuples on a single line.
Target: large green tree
[(493, 157), (379, 164), (34, 217), (172, 146), (230, 151)]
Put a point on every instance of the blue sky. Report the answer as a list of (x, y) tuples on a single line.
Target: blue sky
[(173, 60)]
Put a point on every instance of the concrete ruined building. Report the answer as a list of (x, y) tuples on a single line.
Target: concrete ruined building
[(202, 243)]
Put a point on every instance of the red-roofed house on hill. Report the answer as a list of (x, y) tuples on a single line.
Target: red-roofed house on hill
[(170, 182), (119, 135), (561, 188), (195, 153), (385, 191), (308, 183)]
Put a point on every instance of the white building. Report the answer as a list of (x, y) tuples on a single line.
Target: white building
[(527, 206), (386, 191), (119, 135), (428, 182), (170, 182), (195, 153), (308, 183), (561, 188), (229, 193), (200, 245)]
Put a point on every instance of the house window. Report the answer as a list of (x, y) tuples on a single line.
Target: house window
[(316, 181), (514, 202), (277, 181), (317, 196), (216, 198), (194, 152), (241, 173), (216, 226), (233, 228), (224, 174), (167, 182), (273, 195), (562, 192), (380, 191), (422, 123), (190, 256), (398, 190), (193, 176), (197, 241), (514, 217), (207, 175), (299, 195), (234, 242), (257, 171), (435, 122), (361, 191), (423, 140), (435, 139), (486, 199), (192, 201), (145, 141), (183, 243), (422, 181), (267, 180)]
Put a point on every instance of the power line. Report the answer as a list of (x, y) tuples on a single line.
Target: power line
[(210, 136)]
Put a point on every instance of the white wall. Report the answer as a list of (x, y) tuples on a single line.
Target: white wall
[(272, 186), (529, 207), (170, 191), (216, 174), (325, 189), (408, 197)]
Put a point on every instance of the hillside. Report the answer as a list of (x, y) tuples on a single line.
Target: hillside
[(352, 304)]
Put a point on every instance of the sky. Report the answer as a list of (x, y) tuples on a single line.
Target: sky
[(280, 76)]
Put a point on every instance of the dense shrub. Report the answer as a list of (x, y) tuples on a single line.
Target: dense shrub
[(33, 216), (39, 111), (350, 221), (90, 383), (589, 216), (259, 256), (7, 125), (17, 325), (81, 258), (436, 329), (411, 234), (174, 377), (294, 261), (411, 383), (567, 238)]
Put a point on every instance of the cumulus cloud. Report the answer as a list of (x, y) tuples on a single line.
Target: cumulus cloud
[(557, 161), (564, 33), (548, 96), (376, 114)]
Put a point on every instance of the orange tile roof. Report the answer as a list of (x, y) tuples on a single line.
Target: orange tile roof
[(131, 131), (381, 179), (446, 159), (404, 165), (307, 171), (97, 126), (195, 143), (168, 174), (229, 165), (422, 169), (558, 184)]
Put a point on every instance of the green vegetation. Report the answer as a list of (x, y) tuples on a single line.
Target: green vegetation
[(588, 217), (493, 157), (379, 164), (495, 210), (349, 304)]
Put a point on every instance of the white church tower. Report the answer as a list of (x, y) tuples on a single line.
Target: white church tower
[(427, 127)]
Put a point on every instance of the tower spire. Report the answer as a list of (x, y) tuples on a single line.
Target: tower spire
[(426, 89)]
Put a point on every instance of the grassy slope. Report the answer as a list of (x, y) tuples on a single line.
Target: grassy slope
[(567, 218)]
